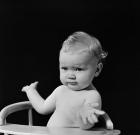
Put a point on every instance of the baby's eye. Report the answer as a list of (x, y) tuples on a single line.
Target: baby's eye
[(78, 69), (64, 68)]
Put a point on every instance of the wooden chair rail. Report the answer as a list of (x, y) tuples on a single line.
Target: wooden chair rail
[(9, 109), (27, 105)]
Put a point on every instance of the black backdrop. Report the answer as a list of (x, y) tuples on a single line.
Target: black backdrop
[(32, 32)]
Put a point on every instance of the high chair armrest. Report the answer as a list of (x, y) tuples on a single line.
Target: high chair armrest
[(14, 108), (108, 122), (27, 105)]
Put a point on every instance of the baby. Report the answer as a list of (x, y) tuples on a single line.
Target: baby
[(75, 103)]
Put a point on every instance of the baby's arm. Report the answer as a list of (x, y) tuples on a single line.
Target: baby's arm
[(90, 110), (40, 105)]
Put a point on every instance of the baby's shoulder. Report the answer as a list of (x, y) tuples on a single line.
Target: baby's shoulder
[(59, 89), (93, 95), (93, 92)]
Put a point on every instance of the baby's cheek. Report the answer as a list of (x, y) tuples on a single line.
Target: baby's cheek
[(62, 79)]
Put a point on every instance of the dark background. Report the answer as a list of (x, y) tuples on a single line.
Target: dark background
[(31, 34)]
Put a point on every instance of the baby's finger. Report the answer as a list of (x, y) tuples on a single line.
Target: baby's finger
[(34, 84), (84, 119), (90, 119), (25, 88), (93, 105), (99, 112), (94, 117)]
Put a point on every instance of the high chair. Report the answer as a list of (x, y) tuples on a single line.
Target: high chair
[(9, 128)]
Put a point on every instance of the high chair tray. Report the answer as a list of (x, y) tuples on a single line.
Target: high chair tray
[(39, 130)]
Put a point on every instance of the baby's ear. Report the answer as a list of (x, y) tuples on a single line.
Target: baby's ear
[(99, 69)]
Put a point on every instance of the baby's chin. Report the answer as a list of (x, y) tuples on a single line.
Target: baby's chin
[(77, 88)]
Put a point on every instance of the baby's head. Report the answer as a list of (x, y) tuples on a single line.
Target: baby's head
[(83, 42), (80, 53)]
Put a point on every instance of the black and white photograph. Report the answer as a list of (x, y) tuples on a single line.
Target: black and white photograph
[(69, 67)]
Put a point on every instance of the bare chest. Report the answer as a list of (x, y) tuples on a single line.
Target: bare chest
[(70, 101)]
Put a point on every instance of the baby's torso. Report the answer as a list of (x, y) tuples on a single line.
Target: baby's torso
[(68, 104)]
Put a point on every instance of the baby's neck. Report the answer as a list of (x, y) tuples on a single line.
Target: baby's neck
[(90, 87)]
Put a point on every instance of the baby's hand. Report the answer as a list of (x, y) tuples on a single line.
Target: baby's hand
[(89, 114), (32, 86)]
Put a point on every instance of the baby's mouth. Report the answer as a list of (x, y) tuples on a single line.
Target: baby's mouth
[(72, 83)]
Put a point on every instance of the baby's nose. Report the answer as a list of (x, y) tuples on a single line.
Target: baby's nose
[(71, 75)]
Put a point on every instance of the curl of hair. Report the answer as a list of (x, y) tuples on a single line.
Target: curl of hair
[(91, 43)]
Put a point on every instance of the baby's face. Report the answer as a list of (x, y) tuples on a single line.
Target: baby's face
[(77, 70)]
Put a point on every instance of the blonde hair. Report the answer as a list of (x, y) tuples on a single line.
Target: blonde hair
[(87, 43)]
